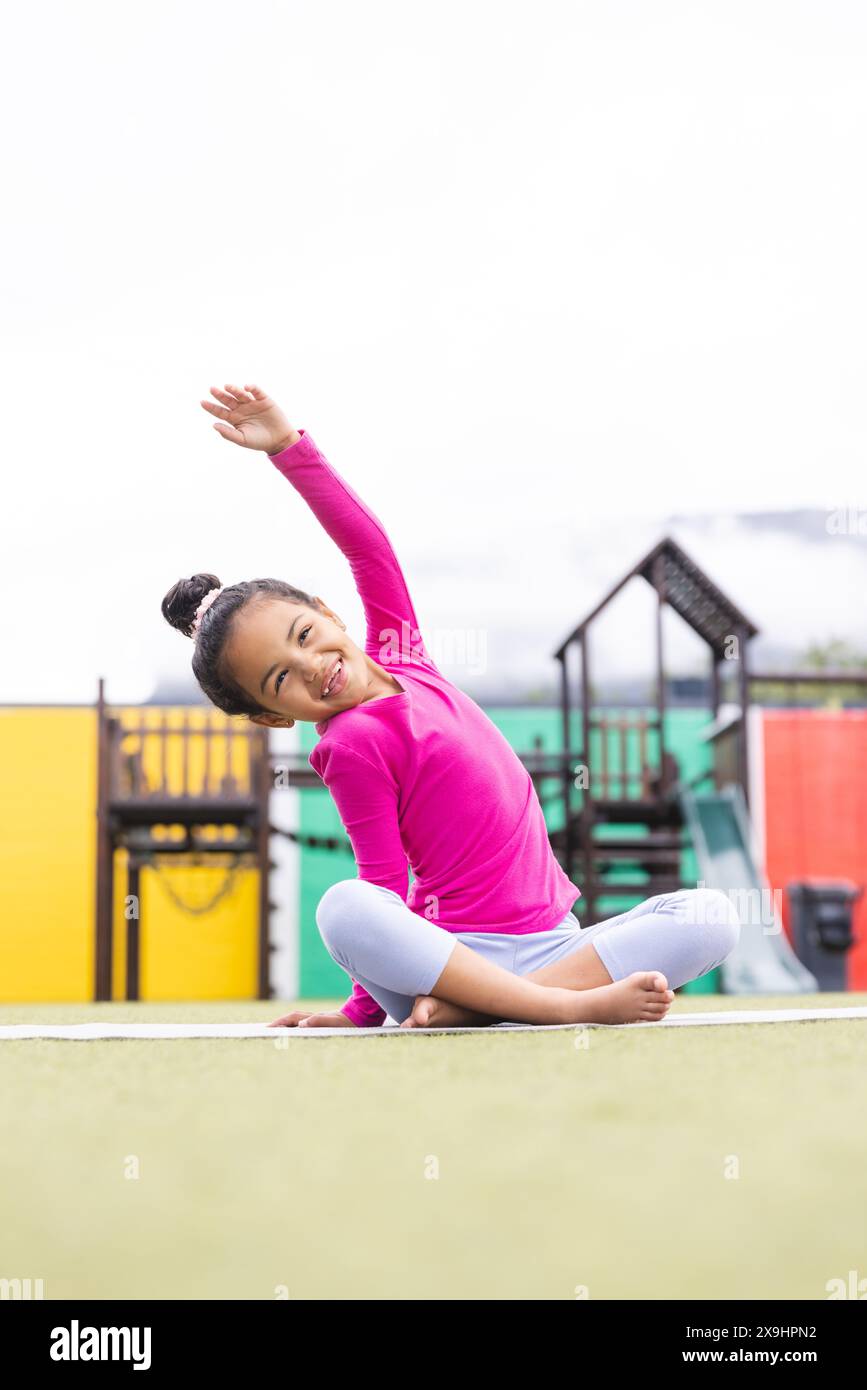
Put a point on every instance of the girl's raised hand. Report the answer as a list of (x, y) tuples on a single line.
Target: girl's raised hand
[(250, 418)]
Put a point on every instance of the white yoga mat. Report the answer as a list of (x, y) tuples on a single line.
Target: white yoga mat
[(94, 1032)]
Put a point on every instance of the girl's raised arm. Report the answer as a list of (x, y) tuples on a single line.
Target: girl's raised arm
[(250, 418)]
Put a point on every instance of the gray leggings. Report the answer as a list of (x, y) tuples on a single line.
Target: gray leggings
[(395, 954)]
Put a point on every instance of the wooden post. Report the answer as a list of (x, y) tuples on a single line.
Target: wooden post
[(260, 759), (537, 759), (138, 783), (587, 845), (104, 855), (568, 837), (642, 758), (744, 700), (715, 696), (133, 926), (659, 585)]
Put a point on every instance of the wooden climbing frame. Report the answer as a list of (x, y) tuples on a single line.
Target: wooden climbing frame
[(157, 773)]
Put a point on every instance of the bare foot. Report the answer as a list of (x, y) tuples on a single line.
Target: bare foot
[(429, 1012), (643, 997)]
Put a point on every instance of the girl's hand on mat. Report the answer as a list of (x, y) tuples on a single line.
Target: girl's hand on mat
[(250, 418), (299, 1019)]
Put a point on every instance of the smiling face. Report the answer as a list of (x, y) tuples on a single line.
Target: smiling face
[(299, 663)]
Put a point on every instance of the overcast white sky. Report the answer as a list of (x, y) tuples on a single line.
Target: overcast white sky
[(533, 275)]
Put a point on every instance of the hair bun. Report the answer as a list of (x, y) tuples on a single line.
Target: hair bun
[(180, 603)]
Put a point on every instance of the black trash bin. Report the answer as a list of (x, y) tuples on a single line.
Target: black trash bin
[(820, 914)]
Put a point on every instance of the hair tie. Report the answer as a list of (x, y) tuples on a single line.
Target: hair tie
[(202, 609)]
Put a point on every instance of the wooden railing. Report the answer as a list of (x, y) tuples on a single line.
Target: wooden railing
[(624, 768), (159, 755)]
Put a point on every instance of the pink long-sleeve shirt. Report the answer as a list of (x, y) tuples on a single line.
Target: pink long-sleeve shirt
[(423, 779)]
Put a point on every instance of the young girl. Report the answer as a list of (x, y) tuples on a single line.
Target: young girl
[(421, 777)]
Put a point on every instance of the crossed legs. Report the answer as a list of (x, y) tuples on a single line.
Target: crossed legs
[(622, 970), (683, 935)]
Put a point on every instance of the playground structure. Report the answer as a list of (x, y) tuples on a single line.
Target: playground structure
[(201, 790), (627, 815), (641, 794)]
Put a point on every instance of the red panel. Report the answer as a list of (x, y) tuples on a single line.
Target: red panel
[(816, 807)]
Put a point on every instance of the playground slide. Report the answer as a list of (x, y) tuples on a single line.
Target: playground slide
[(763, 962)]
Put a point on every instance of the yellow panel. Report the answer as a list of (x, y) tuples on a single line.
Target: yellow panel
[(48, 864), (47, 854), (216, 952)]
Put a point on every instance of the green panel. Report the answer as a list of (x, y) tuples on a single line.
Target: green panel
[(682, 730), (319, 977)]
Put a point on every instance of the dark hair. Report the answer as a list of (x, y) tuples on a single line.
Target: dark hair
[(209, 665)]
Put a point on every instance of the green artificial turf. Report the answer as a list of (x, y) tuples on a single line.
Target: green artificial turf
[(497, 1165)]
